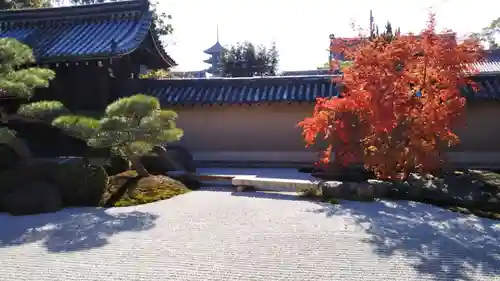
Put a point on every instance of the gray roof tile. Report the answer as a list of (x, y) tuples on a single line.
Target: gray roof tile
[(490, 64), (237, 90), (201, 91), (78, 32)]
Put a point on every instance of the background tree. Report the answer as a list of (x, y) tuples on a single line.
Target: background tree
[(156, 74), (490, 34), (131, 126), (247, 60), (20, 4), (400, 103)]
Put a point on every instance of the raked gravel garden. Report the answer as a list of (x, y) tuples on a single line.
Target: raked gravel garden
[(217, 233)]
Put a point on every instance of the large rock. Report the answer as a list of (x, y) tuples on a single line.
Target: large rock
[(34, 198), (332, 189), (381, 189), (365, 192)]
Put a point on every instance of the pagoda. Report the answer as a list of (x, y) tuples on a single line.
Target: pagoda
[(214, 61)]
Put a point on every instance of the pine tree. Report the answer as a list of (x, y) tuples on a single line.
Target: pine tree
[(131, 126), (18, 82)]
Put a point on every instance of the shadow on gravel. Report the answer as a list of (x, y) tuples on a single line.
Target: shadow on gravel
[(71, 229), (428, 235)]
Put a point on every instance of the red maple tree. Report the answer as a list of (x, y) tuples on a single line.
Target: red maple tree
[(399, 104)]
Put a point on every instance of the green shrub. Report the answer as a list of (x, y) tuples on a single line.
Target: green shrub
[(8, 157), (116, 164), (81, 185), (25, 174), (78, 184)]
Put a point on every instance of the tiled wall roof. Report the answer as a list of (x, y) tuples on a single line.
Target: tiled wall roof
[(237, 90), (306, 72), (490, 64), (200, 91), (79, 32)]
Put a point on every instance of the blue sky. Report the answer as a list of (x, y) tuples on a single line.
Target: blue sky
[(301, 28)]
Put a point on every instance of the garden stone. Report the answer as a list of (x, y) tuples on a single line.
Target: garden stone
[(34, 198), (365, 191), (380, 188), (349, 190), (415, 191), (243, 188), (332, 189)]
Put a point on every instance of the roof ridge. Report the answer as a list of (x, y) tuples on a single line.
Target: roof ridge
[(87, 11), (257, 79)]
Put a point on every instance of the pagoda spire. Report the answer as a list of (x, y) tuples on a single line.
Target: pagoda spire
[(215, 53)]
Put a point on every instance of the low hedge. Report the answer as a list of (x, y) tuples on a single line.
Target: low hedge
[(8, 157), (78, 184)]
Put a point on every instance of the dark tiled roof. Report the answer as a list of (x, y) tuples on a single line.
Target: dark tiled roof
[(306, 72), (201, 91), (489, 88), (81, 32), (237, 90), (490, 64)]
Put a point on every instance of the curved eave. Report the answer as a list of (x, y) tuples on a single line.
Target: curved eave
[(170, 62), (210, 61), (215, 49)]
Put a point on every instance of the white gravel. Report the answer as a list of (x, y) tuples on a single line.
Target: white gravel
[(208, 235)]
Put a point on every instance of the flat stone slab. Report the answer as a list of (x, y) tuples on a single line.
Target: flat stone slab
[(207, 176), (284, 173), (222, 235), (274, 184)]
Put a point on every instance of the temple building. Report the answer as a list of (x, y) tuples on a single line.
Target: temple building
[(92, 48)]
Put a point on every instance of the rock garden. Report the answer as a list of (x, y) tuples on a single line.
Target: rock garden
[(466, 191)]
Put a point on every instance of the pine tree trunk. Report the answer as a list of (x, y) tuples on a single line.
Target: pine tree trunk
[(136, 162)]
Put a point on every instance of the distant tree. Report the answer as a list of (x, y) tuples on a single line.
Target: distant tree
[(247, 60), (489, 34), (161, 20), (156, 74), (131, 127), (20, 4), (388, 33)]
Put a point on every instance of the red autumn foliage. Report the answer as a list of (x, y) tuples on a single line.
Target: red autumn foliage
[(399, 105)]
